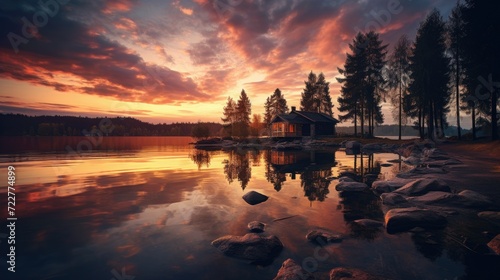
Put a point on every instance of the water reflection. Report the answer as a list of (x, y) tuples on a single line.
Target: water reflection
[(314, 168), (237, 166), (201, 157)]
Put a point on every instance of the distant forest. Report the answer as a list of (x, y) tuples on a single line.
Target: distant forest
[(21, 125)]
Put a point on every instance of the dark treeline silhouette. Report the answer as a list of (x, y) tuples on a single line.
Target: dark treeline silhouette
[(20, 125), (449, 65)]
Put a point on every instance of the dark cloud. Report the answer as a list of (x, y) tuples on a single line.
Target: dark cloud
[(106, 67)]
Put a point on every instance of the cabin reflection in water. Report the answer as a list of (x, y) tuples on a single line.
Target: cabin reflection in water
[(313, 167)]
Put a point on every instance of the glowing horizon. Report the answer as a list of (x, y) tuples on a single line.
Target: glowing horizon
[(179, 60)]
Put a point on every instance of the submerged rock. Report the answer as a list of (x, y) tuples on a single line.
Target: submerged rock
[(290, 270), (254, 197), (256, 226), (386, 164), (404, 219), (341, 273), (474, 199), (491, 216), (251, 247), (351, 187), (392, 198), (494, 244), (321, 237), (423, 186), (346, 179)]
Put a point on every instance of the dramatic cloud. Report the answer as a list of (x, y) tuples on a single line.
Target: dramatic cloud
[(191, 51)]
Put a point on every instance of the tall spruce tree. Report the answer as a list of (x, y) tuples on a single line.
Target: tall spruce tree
[(229, 118), (428, 89), (243, 112), (481, 60), (316, 95), (456, 34)]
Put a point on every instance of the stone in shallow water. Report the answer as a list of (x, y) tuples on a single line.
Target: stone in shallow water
[(256, 226), (389, 186), (351, 187), (321, 237), (290, 270), (342, 273), (423, 186), (254, 197), (404, 219), (492, 216), (466, 198), (251, 247), (392, 198)]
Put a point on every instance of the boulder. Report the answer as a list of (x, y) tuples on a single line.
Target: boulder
[(419, 171), (389, 186), (353, 145), (423, 186), (404, 219), (250, 247), (341, 273), (494, 244), (465, 198), (413, 160), (321, 237), (491, 216), (351, 187), (290, 270), (368, 223), (254, 197), (256, 226), (392, 199), (473, 199), (346, 179)]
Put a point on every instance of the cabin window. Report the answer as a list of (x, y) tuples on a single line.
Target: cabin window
[(291, 128)]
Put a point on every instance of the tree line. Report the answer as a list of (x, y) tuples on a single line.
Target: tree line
[(23, 125), (455, 60)]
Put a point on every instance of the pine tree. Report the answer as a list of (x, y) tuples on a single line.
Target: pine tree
[(243, 112), (278, 102), (428, 90), (307, 100), (398, 76), (456, 32), (229, 118)]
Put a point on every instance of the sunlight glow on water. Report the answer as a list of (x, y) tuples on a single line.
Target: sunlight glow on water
[(154, 212)]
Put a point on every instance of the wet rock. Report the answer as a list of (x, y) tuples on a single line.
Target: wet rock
[(353, 145), (256, 226), (392, 198), (368, 223), (346, 179), (465, 198), (419, 171), (251, 247), (413, 160), (389, 186), (321, 237), (351, 187), (404, 219), (423, 186), (494, 244), (491, 216), (290, 270), (474, 199), (254, 197), (341, 273)]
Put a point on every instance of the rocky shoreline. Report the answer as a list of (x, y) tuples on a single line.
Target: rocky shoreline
[(417, 200)]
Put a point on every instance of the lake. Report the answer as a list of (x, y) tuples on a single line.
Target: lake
[(149, 207)]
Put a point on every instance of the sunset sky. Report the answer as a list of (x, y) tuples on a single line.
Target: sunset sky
[(179, 60)]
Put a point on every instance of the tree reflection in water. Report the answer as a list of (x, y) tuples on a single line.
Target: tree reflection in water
[(314, 167), (201, 157), (237, 166)]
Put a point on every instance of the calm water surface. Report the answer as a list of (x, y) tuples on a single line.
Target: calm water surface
[(149, 207)]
